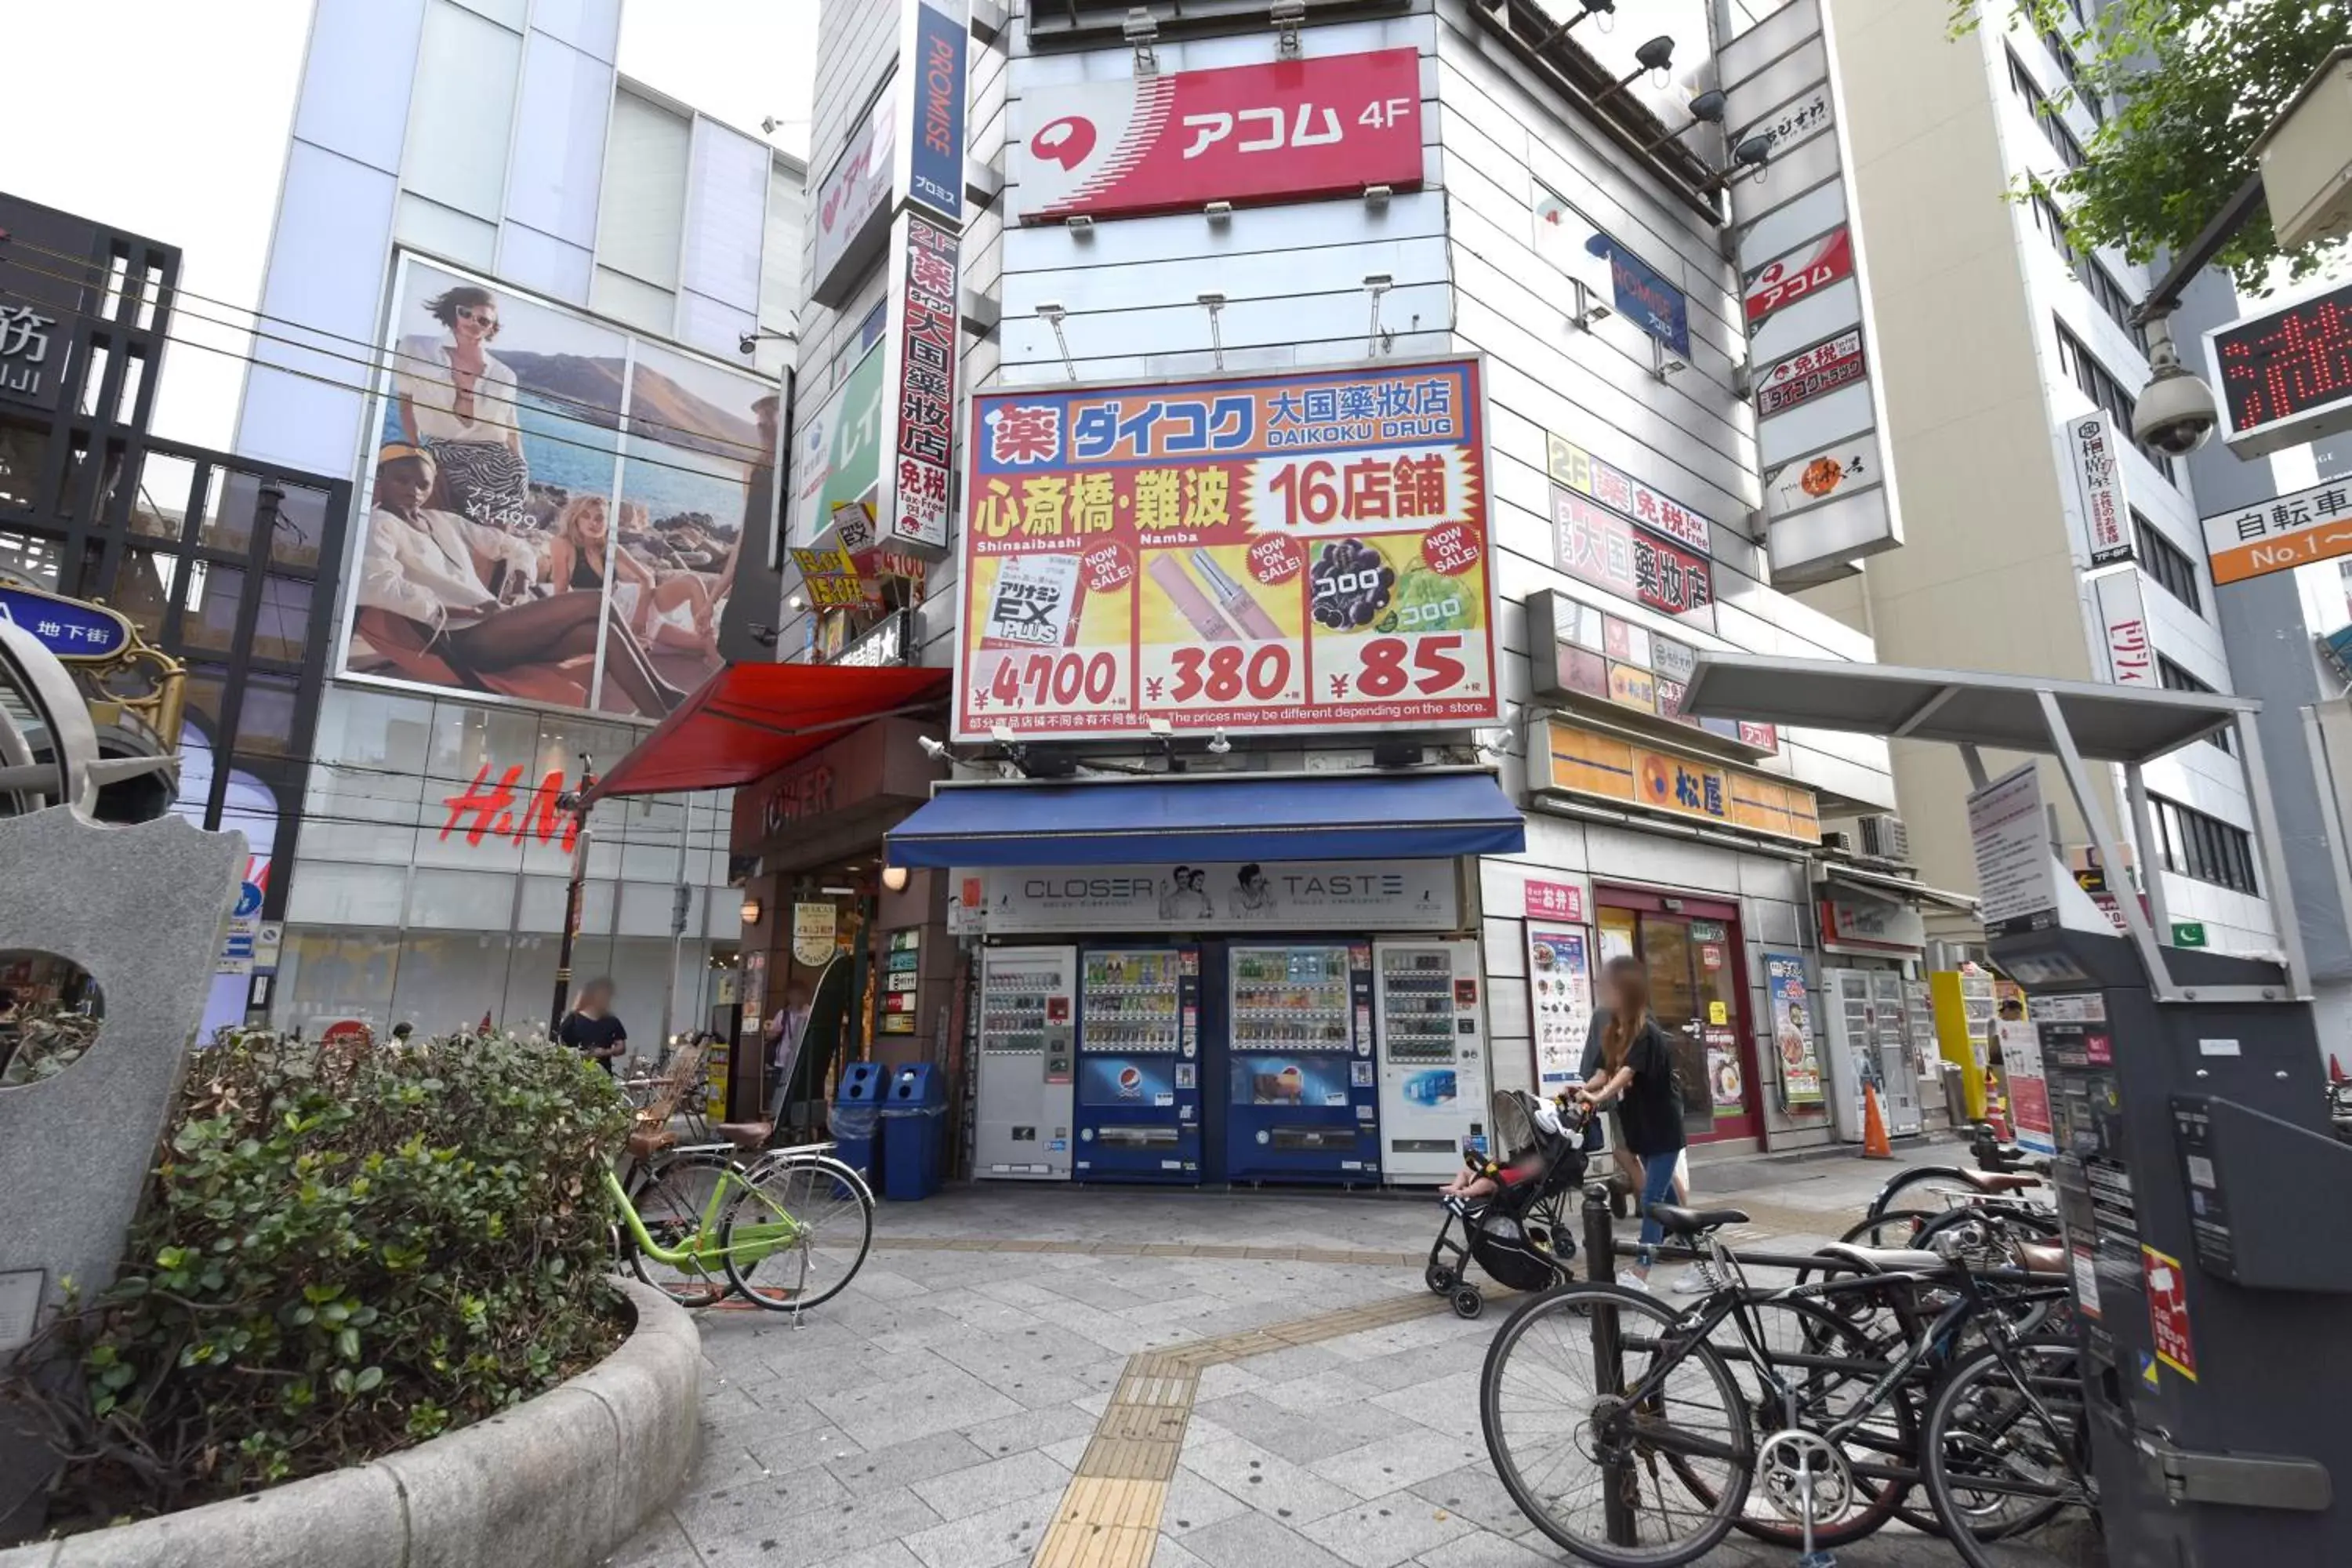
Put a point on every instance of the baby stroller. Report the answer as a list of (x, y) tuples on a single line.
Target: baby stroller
[(1519, 1234)]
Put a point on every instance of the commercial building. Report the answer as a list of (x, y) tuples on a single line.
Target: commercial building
[(537, 316), (2039, 538), (1357, 452)]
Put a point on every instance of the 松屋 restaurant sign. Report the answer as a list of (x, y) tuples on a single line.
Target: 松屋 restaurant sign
[(1297, 551), (1600, 766)]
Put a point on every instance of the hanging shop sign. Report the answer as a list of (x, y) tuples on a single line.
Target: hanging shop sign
[(2123, 629), (933, 41), (2285, 373), (1560, 1004), (1601, 766), (1793, 1030), (830, 577), (1290, 895), (1868, 924), (1572, 467), (2281, 534), (1276, 131), (2091, 453), (919, 375), (1603, 657), (1291, 552), (1639, 291), (1555, 901), (883, 642), (837, 461), (1595, 545), (852, 211), (814, 929), (70, 629), (1829, 496)]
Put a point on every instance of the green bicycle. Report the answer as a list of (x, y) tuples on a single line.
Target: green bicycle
[(787, 1230)]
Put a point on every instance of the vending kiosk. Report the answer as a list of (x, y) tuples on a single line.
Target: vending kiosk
[(1303, 1102), (1139, 1088), (1028, 1046), (1431, 1048)]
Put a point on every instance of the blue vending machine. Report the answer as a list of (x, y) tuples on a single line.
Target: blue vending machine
[(1138, 1065), (1303, 1096)]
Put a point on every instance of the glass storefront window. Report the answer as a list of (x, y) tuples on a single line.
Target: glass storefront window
[(209, 619), (229, 518), (265, 719), (302, 523), (144, 588), (166, 484), (29, 556), (21, 449), (281, 626)]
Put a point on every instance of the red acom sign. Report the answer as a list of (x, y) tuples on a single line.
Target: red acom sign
[(1165, 143), (1811, 267)]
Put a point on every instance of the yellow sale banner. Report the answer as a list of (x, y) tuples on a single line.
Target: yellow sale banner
[(1300, 552)]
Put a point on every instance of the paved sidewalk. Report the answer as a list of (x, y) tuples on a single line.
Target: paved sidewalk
[(1021, 1374)]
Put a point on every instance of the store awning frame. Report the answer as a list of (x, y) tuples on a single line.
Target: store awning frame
[(1898, 889), (1424, 814), (750, 720)]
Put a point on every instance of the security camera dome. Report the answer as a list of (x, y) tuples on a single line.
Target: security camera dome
[(2177, 412)]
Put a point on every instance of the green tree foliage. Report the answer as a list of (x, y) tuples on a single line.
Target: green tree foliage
[(2188, 87), (340, 1251)]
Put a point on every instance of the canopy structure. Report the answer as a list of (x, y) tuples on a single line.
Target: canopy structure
[(2076, 722), (1899, 890), (749, 720), (1422, 814)]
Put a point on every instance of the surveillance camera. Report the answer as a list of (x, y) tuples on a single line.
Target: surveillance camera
[(749, 343), (1219, 745), (2177, 412), (933, 747)]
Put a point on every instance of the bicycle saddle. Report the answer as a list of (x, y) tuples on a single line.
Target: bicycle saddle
[(1693, 1222), (2000, 1181), (1887, 1259), (745, 1134)]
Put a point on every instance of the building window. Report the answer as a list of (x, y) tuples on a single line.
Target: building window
[(2176, 679), (2112, 299), (2099, 384), (2072, 69), (2053, 224), (2166, 562), (2069, 151), (2204, 847)]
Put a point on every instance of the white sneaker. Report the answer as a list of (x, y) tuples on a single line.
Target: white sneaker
[(1630, 1280), (1698, 1279)]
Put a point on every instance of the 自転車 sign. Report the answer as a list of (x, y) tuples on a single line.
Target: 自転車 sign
[(1296, 552), (2282, 533)]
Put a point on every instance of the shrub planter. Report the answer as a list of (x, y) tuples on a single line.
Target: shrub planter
[(561, 1481)]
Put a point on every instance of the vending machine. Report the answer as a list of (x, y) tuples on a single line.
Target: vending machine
[(1890, 1035), (1430, 1007), (1304, 1101), (1139, 1090), (1028, 1047)]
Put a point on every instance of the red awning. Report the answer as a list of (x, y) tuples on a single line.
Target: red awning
[(749, 720)]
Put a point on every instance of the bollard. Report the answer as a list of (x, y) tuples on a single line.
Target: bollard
[(1608, 1358)]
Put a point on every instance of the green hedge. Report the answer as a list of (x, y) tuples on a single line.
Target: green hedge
[(341, 1251)]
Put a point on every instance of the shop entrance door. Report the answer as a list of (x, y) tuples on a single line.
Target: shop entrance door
[(1699, 993)]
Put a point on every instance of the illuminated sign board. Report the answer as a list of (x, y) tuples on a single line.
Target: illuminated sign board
[(2284, 376)]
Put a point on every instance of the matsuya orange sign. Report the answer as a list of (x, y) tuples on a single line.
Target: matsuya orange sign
[(1602, 767)]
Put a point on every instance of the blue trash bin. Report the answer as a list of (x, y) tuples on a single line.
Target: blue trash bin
[(856, 1116), (914, 1149)]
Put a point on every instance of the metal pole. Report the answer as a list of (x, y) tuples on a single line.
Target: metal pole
[(680, 900), (576, 802), (1608, 1360), (2266, 827), (2110, 843), (2150, 860)]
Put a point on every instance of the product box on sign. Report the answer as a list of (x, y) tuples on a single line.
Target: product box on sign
[(1273, 131), (1301, 552)]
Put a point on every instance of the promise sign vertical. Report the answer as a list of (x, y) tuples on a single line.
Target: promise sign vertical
[(931, 58)]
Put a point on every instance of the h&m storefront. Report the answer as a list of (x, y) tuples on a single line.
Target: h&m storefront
[(1221, 978)]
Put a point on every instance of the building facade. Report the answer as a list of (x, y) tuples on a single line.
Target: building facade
[(1511, 277), (2041, 537), (538, 316)]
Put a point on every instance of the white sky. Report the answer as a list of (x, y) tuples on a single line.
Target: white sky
[(191, 149)]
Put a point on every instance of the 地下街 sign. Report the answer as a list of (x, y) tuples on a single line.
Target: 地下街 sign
[(1602, 767), (1829, 496), (918, 380), (2099, 486), (1196, 896), (1276, 131), (70, 629), (2280, 534), (1299, 552)]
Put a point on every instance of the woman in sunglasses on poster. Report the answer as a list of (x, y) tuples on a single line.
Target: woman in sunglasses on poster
[(455, 579), (458, 401)]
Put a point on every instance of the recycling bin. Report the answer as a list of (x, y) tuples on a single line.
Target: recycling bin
[(856, 1116), (914, 1144)]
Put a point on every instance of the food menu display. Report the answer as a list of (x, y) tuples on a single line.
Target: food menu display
[(1131, 1001), (1416, 1004), (1300, 552), (1560, 993), (1290, 998)]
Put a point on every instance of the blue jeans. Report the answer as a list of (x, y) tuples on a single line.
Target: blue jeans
[(1657, 1186)]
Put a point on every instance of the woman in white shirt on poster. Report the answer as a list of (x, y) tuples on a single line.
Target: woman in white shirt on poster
[(458, 401), (458, 581)]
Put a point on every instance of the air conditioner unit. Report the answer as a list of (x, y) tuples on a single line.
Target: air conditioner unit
[(1884, 837), (1838, 839)]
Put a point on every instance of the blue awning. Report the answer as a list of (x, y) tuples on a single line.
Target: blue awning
[(1380, 817)]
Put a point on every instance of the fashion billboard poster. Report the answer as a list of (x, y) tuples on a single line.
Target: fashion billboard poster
[(555, 507)]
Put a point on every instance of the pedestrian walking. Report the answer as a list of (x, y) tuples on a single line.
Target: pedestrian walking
[(591, 1028), (1638, 1075)]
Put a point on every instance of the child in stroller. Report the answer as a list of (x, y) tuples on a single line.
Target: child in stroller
[(1512, 1214)]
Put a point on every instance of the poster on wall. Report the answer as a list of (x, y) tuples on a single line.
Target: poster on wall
[(545, 486), (1793, 1030), (2028, 1085), (1292, 553), (1560, 1000)]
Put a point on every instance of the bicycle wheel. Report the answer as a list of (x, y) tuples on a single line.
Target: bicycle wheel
[(1821, 1371), (672, 1200), (1561, 1439), (798, 1231), (2006, 1455), (1891, 1196)]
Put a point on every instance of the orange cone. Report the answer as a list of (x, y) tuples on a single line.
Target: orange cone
[(1875, 1143), (2335, 1068)]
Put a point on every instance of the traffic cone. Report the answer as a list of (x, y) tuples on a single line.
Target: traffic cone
[(2335, 1068), (1875, 1143)]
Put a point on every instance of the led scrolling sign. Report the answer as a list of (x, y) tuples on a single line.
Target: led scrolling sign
[(2285, 375)]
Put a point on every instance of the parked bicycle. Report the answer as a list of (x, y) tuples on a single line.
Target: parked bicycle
[(1623, 1428)]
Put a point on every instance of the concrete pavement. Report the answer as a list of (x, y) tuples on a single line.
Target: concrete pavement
[(1058, 1376)]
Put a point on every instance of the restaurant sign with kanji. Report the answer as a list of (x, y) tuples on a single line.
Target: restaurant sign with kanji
[(1301, 552), (2282, 533)]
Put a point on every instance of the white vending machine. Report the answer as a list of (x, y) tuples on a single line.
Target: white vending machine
[(1430, 998), (1869, 1044), (1890, 1025), (1028, 1040)]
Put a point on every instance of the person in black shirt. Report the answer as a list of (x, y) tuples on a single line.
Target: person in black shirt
[(1638, 1072), (590, 1027)]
